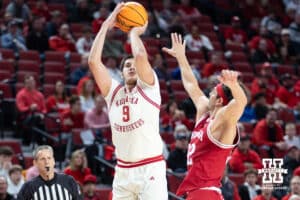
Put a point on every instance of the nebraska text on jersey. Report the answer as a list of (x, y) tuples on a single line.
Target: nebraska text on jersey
[(129, 127), (131, 100)]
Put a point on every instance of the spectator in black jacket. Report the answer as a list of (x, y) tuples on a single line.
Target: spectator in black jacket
[(177, 160)]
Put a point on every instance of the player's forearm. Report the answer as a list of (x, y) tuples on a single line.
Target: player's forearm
[(137, 45), (238, 94), (187, 75), (97, 47)]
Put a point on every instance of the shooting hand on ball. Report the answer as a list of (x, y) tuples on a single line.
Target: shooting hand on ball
[(111, 19), (139, 30)]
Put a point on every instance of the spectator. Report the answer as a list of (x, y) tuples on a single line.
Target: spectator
[(112, 47), (235, 35), (154, 26), (295, 29), (266, 193), (58, 102), (159, 68), (71, 119), (37, 38), (216, 65), (287, 48), (297, 171), (19, 10), (229, 189), (268, 134), (177, 158), (260, 106), (244, 158), (41, 10), (3, 189), (74, 117), (270, 22), (195, 41), (89, 187), (290, 162), (291, 138), (81, 12), (31, 105), (13, 39), (15, 180), (112, 67), (254, 42), (187, 12), (286, 94), (261, 54), (31, 173), (103, 14), (97, 118), (81, 71), (249, 189), (84, 43), (6, 155), (78, 168), (63, 41), (266, 82), (295, 188), (8, 17), (53, 25), (87, 96)]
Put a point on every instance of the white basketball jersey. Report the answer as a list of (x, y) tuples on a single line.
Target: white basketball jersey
[(134, 119)]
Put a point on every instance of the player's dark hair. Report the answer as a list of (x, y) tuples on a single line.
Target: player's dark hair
[(228, 93), (124, 60)]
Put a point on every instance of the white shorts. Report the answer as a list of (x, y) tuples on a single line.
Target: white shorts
[(146, 182)]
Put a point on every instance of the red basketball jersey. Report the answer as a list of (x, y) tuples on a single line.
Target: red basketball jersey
[(206, 158)]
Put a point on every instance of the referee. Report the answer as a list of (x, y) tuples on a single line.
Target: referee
[(49, 185)]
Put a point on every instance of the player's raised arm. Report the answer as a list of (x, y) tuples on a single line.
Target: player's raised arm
[(98, 69), (143, 67), (189, 81), (236, 106)]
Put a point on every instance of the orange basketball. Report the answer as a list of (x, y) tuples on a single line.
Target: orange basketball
[(131, 15)]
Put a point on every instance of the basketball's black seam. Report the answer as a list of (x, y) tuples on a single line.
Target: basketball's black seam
[(137, 13), (131, 20)]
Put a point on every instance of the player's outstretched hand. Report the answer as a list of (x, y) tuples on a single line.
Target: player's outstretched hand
[(178, 46), (228, 77), (139, 30), (111, 19)]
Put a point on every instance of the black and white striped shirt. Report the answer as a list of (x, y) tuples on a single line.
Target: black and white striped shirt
[(61, 187)]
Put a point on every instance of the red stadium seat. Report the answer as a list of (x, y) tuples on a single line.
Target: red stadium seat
[(14, 144), (52, 78), (194, 55), (54, 67), (234, 47), (180, 96), (283, 69), (74, 66), (238, 57), (171, 63), (164, 96), (243, 67), (76, 27), (162, 84), (55, 56), (29, 66), (168, 138), (30, 55), (7, 65), (5, 88), (7, 54), (75, 58), (4, 75)]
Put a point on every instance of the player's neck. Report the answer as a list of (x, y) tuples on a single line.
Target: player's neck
[(129, 87)]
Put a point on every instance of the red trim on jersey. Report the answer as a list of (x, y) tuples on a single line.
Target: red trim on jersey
[(218, 143), (125, 164), (147, 98), (114, 94)]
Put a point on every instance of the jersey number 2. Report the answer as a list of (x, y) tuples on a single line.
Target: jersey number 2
[(126, 116), (191, 150)]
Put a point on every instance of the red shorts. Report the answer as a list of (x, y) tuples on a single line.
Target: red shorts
[(204, 194)]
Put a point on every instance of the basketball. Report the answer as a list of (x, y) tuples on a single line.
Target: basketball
[(133, 14)]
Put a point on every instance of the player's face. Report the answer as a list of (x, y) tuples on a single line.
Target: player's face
[(44, 160), (129, 72)]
